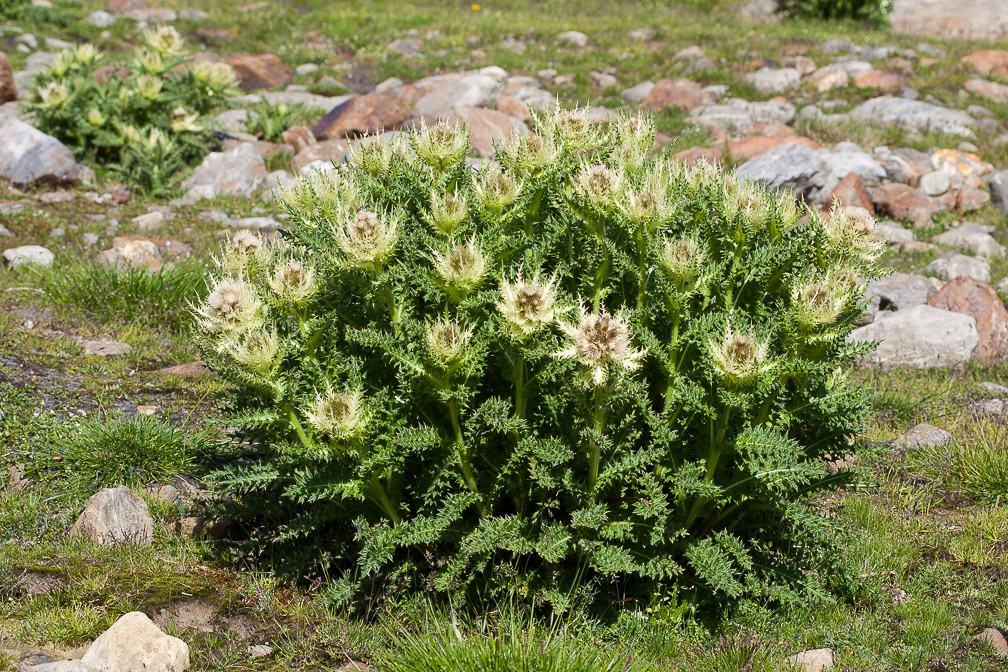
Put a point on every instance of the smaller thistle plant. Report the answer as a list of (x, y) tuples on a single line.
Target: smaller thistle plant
[(581, 364)]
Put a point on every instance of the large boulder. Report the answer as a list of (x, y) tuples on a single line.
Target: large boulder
[(898, 291), (134, 643), (361, 114), (967, 296), (28, 254), (920, 337), (240, 171), (256, 72), (845, 159), (914, 115), (476, 90), (115, 516), (989, 61), (999, 190), (486, 127), (8, 87), (682, 93), (27, 154), (787, 167), (951, 265)]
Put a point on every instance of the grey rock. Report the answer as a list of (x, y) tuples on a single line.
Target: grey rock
[(898, 291), (56, 233), (636, 94), (407, 46), (918, 338), (844, 159), (57, 44), (101, 19), (972, 237), (573, 38), (786, 167), (735, 112), (935, 183), (190, 14), (875, 53), (468, 91), (260, 651), (113, 516), (106, 348), (28, 154), (999, 190), (923, 436), (89, 239), (234, 120), (642, 34), (951, 265), (894, 233), (774, 80), (994, 388), (28, 254), (914, 115), (852, 66), (603, 80), (134, 643), (62, 666), (306, 69), (837, 45), (294, 97), (27, 39), (703, 64), (977, 111), (814, 660), (905, 165), (240, 171), (534, 97), (930, 50), (390, 87)]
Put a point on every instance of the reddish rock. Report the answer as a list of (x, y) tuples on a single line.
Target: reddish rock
[(8, 87), (757, 145), (514, 108), (968, 199), (880, 81), (187, 370), (330, 150), (682, 93), (256, 72), (298, 137), (132, 252), (900, 201), (989, 62), (485, 128), (361, 114), (966, 295), (992, 91), (125, 6), (694, 155), (851, 191)]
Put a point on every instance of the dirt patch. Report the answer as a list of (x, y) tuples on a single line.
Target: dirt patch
[(196, 614), (39, 583)]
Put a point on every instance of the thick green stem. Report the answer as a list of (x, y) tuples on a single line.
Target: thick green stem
[(642, 271), (713, 457), (305, 441), (468, 475), (383, 501), (594, 449), (393, 311), (520, 387), (602, 272), (533, 212)]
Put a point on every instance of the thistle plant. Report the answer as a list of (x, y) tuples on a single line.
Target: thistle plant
[(582, 365), (146, 119)]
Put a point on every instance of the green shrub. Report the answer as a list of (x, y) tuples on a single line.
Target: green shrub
[(273, 120), (576, 372), (871, 11), (145, 119)]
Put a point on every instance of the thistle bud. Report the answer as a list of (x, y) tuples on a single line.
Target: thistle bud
[(293, 283), (447, 343), (257, 351), (818, 304), (183, 121), (600, 342), (95, 117), (165, 40), (245, 254), (681, 260), (339, 416), (148, 86), (701, 174), (232, 306), (636, 136), (600, 185), (739, 358), (448, 211), (150, 61), (529, 155), (131, 134), (442, 145), (366, 239), (62, 63), (54, 94), (650, 203), (373, 155), (574, 128), (218, 77), (528, 306), (852, 228), (495, 189), (86, 54), (463, 267)]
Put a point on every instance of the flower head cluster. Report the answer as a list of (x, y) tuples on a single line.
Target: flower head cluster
[(574, 129), (462, 267), (682, 259), (820, 303), (853, 229), (165, 40), (448, 211), (600, 342), (54, 94), (636, 134), (599, 185), (373, 154), (340, 416), (232, 306), (529, 306), (448, 343), (650, 203), (529, 155), (148, 86), (442, 145), (739, 358), (185, 121), (366, 239), (245, 254), (95, 117), (293, 283), (217, 77), (150, 61), (495, 188), (257, 351)]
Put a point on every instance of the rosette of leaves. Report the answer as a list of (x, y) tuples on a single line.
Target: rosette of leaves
[(144, 119), (270, 121), (576, 372)]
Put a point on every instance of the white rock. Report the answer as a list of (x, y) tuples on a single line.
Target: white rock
[(62, 666), (106, 348), (468, 91), (919, 337), (774, 80), (636, 94), (306, 69), (894, 233), (951, 265), (134, 643), (27, 154), (28, 254), (240, 171), (101, 19), (935, 183), (573, 38), (814, 660), (113, 516)]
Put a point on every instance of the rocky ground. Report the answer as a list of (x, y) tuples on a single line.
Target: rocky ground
[(909, 123)]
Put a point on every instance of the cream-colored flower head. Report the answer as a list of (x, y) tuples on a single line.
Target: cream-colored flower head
[(341, 416), (854, 228), (373, 154), (819, 303), (131, 134), (232, 306), (86, 54), (529, 306), (257, 351), (245, 254), (54, 94), (165, 40), (448, 210), (529, 155), (448, 343), (649, 204), (702, 173), (635, 134), (293, 283), (442, 145), (787, 209), (739, 358), (149, 86), (495, 189), (150, 61), (600, 342), (752, 203), (463, 267), (183, 120), (366, 239), (682, 259), (600, 186), (157, 138), (95, 117), (574, 128), (62, 63), (218, 77)]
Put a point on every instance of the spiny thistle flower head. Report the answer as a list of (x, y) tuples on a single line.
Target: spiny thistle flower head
[(165, 40), (218, 77), (635, 134), (184, 121), (448, 343), (752, 204), (366, 239), (86, 54), (373, 154), (529, 306), (148, 86), (442, 145), (787, 209), (529, 155), (95, 117), (341, 416), (231, 306), (495, 189), (448, 211), (650, 203), (54, 94), (600, 185), (150, 61), (739, 358), (574, 128), (701, 174), (245, 253), (257, 350), (131, 134), (463, 266), (854, 228), (62, 63), (819, 303), (600, 342), (157, 138), (293, 283), (682, 259)]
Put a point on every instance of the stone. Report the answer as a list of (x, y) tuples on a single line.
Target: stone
[(898, 291), (149, 221), (790, 166), (992, 91), (989, 62), (639, 93), (846, 158), (968, 199), (951, 19), (914, 115), (132, 252), (803, 64), (135, 643), (199, 527), (101, 19), (187, 370), (737, 113), (61, 666), (814, 660), (106, 348), (28, 254), (369, 113), (114, 516), (880, 81), (602, 80), (486, 127), (694, 155), (967, 296), (260, 651), (745, 149), (533, 98), (901, 201), (935, 183), (328, 151), (893, 233), (239, 171), (642, 34), (774, 80), (306, 69), (689, 54), (256, 72), (28, 155), (573, 38), (851, 191), (299, 137), (8, 87), (682, 93), (996, 639), (190, 14), (837, 45), (951, 265), (922, 435), (906, 165), (829, 77), (701, 65), (972, 237), (999, 191), (919, 337), (407, 46), (153, 15), (453, 95)]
